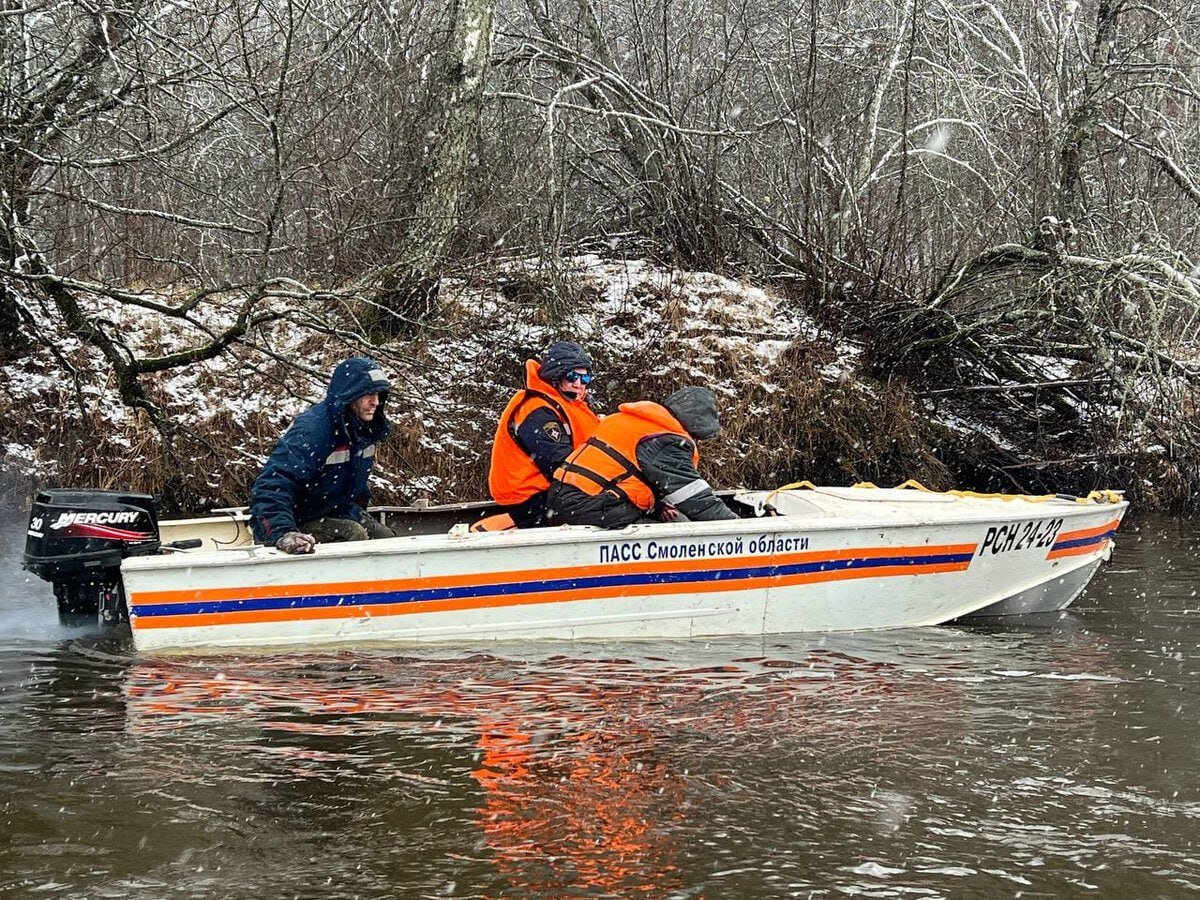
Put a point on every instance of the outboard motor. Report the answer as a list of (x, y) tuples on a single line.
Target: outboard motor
[(76, 541)]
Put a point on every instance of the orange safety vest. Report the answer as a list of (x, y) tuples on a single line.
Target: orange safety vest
[(514, 477), (608, 461)]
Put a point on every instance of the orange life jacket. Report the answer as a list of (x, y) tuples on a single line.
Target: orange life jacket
[(514, 477), (608, 461)]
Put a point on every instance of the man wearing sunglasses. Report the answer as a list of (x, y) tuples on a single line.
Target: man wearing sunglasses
[(542, 424)]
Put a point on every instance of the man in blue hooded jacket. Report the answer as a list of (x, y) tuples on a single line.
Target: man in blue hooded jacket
[(314, 485)]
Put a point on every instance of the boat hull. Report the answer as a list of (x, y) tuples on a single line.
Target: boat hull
[(830, 565), (1053, 596)]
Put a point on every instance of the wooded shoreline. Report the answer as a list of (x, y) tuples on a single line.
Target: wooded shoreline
[(799, 400), (976, 225)]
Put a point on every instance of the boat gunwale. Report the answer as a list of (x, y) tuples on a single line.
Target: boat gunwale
[(972, 512)]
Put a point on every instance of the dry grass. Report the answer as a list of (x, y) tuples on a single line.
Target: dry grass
[(800, 425), (802, 413)]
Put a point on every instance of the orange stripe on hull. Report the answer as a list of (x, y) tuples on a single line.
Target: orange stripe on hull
[(1078, 551), (1088, 532), (600, 593), (150, 598)]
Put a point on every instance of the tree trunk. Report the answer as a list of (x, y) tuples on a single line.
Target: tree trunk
[(408, 290), (13, 341), (30, 126), (1079, 141)]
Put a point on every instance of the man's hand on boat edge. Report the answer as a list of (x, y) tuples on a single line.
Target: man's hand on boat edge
[(297, 542)]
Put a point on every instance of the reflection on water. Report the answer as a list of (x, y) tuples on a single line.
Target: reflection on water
[(585, 769), (1050, 757)]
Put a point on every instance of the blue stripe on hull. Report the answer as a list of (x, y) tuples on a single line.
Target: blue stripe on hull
[(372, 598), (1084, 541)]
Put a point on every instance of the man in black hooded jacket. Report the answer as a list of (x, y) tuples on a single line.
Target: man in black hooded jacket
[(641, 466)]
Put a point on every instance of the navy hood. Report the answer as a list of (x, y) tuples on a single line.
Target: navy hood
[(356, 377)]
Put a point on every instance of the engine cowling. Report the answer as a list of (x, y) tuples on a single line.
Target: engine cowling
[(76, 540)]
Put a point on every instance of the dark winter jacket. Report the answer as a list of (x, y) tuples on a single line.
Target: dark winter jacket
[(321, 464), (667, 463)]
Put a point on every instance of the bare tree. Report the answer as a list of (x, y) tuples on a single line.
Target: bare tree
[(68, 69), (965, 183), (409, 283), (175, 145)]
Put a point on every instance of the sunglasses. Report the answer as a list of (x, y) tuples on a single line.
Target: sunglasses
[(581, 377)]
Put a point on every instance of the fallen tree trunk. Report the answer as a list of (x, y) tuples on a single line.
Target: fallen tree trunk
[(1079, 362)]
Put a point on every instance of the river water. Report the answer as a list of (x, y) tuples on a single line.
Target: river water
[(1049, 757)]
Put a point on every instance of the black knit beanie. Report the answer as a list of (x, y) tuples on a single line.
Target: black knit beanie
[(561, 358)]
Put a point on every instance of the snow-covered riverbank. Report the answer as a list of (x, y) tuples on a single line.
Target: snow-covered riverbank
[(796, 400)]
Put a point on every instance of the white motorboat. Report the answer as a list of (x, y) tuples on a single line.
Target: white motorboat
[(801, 560)]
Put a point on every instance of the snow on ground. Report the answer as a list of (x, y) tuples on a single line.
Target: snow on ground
[(649, 327), (642, 322)]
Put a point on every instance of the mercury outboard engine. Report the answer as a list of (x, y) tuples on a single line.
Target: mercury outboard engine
[(76, 541)]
